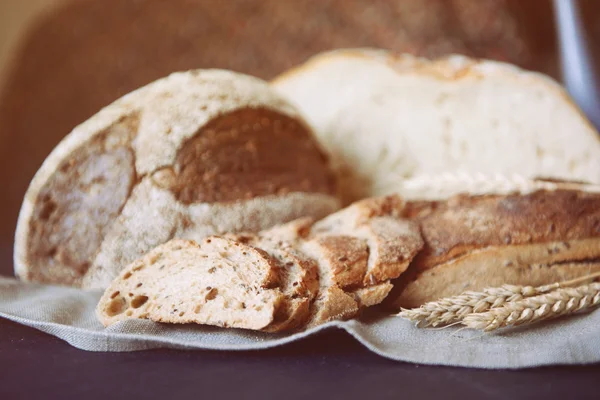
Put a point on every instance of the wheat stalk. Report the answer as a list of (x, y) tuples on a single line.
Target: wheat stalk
[(453, 309), (434, 187), (532, 309)]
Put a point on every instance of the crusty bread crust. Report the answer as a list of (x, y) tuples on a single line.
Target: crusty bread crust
[(465, 223), (392, 241), (197, 143), (473, 242), (332, 303), (345, 257)]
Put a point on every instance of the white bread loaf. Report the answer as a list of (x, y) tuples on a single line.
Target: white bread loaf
[(191, 155), (385, 117)]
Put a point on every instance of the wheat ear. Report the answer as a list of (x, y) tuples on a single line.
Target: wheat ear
[(453, 309), (532, 309)]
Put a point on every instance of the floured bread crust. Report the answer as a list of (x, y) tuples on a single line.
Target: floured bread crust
[(193, 154)]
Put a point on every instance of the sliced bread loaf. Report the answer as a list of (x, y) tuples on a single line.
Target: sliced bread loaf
[(386, 117), (318, 270), (194, 154)]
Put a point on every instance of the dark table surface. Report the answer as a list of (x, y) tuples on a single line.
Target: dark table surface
[(34, 365)]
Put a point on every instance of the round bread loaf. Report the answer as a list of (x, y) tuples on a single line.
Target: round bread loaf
[(196, 153), (385, 118)]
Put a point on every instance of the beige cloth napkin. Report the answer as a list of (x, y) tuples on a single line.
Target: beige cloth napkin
[(69, 314)]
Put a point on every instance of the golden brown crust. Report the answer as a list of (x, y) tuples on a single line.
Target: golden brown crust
[(464, 223), (345, 256), (393, 243)]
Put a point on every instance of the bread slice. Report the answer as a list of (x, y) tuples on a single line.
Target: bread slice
[(371, 295), (327, 263), (193, 154), (385, 117), (331, 304), (219, 282), (472, 242), (358, 250), (299, 280), (343, 257), (392, 241)]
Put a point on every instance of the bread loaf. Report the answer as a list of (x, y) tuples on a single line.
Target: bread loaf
[(385, 118), (191, 155), (320, 270), (522, 238)]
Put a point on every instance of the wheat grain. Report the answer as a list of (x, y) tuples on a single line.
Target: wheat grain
[(442, 186), (532, 309), (453, 309)]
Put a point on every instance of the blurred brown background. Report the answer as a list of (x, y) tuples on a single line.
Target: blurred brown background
[(61, 60)]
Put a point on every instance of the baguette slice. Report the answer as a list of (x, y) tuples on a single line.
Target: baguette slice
[(371, 295), (219, 282), (392, 241), (344, 257), (350, 277), (299, 280), (331, 304), (385, 117)]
